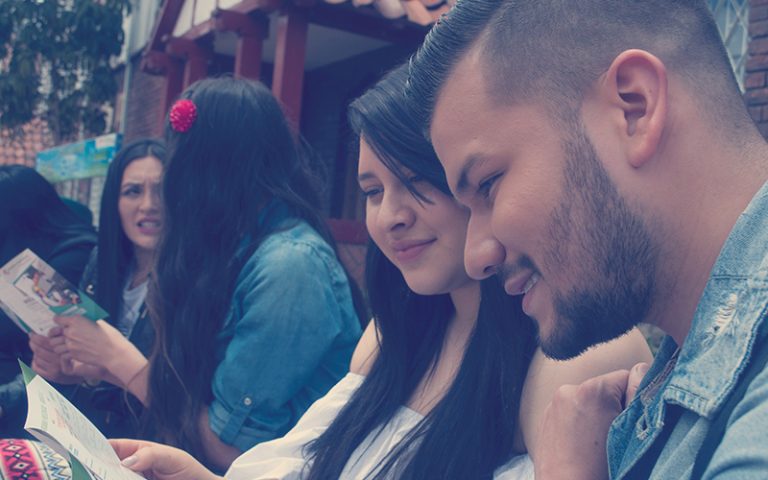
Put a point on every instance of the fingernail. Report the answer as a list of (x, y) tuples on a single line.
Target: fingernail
[(642, 368), (128, 461)]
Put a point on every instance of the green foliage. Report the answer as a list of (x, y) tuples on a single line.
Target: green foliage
[(55, 62)]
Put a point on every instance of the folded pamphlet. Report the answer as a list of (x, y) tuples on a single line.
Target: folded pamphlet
[(32, 293), (53, 420)]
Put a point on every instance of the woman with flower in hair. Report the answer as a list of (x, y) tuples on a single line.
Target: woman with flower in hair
[(254, 315)]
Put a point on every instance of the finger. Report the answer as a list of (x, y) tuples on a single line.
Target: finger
[(125, 447), (45, 355), (61, 349), (636, 375), (62, 321), (54, 332), (607, 390), (144, 459), (35, 340), (85, 370), (42, 369), (56, 341)]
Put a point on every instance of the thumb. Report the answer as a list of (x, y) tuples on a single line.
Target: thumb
[(636, 375), (142, 460), (81, 369)]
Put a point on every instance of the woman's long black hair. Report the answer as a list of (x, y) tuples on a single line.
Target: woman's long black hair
[(238, 156), (115, 249), (32, 215), (470, 432)]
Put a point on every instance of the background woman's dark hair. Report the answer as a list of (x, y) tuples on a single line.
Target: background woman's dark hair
[(239, 155), (448, 443), (115, 249), (32, 215)]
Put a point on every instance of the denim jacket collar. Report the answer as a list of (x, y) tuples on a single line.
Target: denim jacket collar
[(726, 319), (716, 348)]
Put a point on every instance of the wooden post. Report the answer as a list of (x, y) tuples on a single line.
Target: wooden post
[(251, 32), (174, 78), (248, 57), (196, 58), (290, 51)]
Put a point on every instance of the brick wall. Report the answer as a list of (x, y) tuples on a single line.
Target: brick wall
[(20, 145), (755, 81), (146, 101)]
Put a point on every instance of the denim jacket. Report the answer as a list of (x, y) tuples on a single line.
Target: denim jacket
[(715, 351), (288, 337)]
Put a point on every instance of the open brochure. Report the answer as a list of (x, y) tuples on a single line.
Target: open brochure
[(53, 420), (32, 293)]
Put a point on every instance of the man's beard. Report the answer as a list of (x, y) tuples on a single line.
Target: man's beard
[(604, 249)]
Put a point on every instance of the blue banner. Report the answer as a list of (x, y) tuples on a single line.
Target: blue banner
[(89, 158)]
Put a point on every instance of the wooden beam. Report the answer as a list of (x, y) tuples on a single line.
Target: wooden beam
[(367, 22), (195, 56), (166, 21), (290, 52), (241, 23), (154, 62), (200, 30), (246, 6), (174, 76), (251, 31), (248, 57)]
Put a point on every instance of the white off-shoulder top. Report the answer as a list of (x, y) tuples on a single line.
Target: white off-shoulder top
[(283, 459)]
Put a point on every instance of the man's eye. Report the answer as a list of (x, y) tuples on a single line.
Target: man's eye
[(484, 188)]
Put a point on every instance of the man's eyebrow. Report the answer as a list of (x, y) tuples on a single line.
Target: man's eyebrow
[(463, 184)]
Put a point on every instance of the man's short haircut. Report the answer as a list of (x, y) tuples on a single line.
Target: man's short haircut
[(554, 50)]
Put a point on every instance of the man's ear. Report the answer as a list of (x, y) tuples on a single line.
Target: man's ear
[(636, 83)]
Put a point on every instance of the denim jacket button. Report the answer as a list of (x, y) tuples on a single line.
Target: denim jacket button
[(247, 401)]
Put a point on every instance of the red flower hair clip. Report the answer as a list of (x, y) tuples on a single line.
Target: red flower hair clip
[(183, 114)]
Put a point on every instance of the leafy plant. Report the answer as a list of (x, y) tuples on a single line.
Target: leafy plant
[(55, 63)]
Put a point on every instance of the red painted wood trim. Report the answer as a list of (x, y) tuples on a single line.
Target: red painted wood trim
[(290, 52), (166, 21), (265, 6), (174, 75), (348, 231), (248, 57)]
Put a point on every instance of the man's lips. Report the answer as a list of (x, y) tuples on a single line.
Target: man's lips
[(521, 284)]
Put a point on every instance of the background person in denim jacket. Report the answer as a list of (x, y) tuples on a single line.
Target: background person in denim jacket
[(254, 313), (605, 153)]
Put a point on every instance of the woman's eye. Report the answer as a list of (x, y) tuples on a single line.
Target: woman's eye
[(131, 191), (484, 188), (371, 192)]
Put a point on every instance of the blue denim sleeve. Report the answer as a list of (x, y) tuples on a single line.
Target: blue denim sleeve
[(743, 452), (286, 316)]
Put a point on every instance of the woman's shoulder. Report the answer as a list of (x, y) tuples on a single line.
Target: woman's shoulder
[(295, 245), (366, 351), (546, 375)]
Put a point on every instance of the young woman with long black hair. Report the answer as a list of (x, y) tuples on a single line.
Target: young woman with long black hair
[(117, 275), (446, 383), (255, 317)]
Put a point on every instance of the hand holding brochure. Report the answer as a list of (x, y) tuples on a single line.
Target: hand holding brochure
[(32, 293), (53, 420)]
